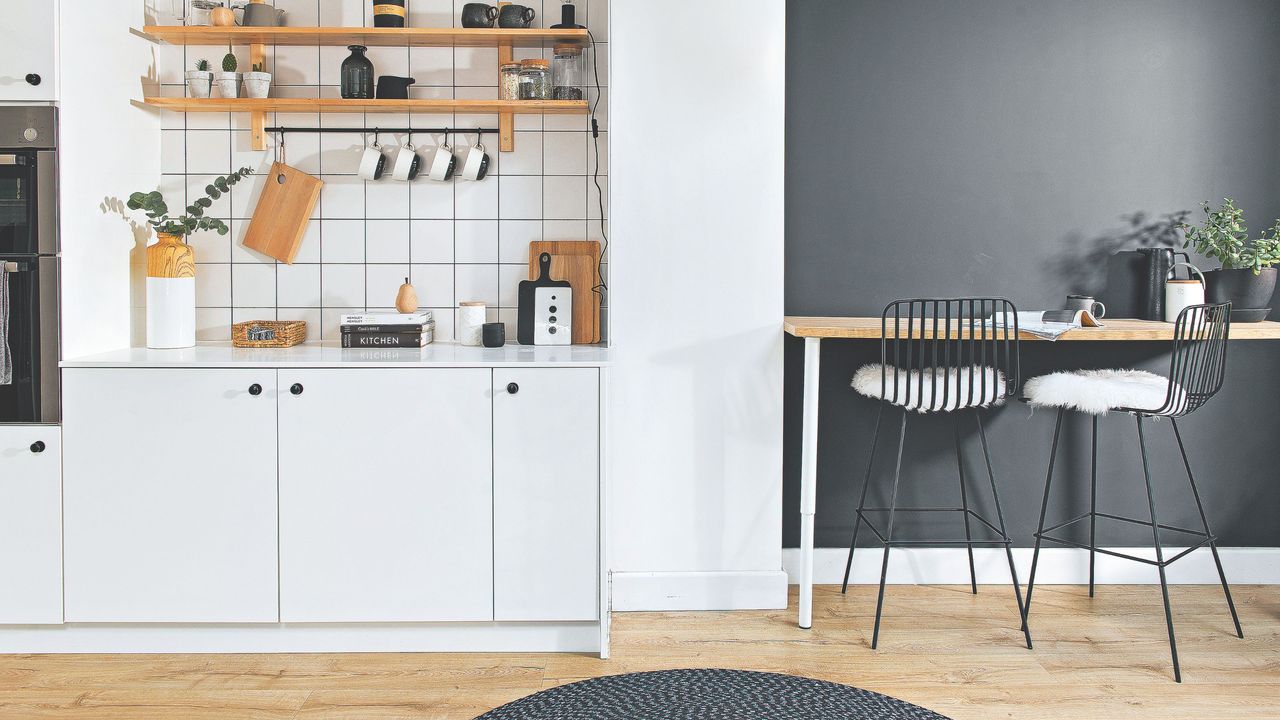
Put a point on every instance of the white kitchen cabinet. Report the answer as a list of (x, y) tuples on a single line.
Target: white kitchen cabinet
[(546, 501), (385, 495), (28, 51), (30, 524), (170, 495)]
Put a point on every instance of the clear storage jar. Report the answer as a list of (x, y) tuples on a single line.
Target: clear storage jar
[(510, 81), (535, 79), (567, 73)]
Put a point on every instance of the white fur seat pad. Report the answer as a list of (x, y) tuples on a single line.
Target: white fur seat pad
[(943, 390), (1097, 392)]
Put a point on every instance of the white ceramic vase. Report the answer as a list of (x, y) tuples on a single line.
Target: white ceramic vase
[(171, 312)]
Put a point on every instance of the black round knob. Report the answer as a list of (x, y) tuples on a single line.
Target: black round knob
[(37, 446), (33, 78), (296, 388), (513, 388), (255, 389)]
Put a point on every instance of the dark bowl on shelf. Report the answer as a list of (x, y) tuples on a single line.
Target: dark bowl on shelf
[(1249, 315)]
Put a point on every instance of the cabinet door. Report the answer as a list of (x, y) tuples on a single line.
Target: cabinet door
[(546, 461), (31, 524), (28, 47), (385, 495), (170, 495)]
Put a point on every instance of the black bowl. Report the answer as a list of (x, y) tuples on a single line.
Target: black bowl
[(1249, 315)]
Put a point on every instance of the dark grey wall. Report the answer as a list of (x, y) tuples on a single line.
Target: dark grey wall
[(997, 147)]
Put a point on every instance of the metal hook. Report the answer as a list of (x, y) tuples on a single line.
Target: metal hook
[(375, 138)]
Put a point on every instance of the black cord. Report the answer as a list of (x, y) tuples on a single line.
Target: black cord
[(601, 287)]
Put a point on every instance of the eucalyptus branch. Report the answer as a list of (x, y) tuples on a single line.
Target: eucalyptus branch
[(193, 218)]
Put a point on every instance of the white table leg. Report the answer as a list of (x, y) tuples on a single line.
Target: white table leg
[(808, 477)]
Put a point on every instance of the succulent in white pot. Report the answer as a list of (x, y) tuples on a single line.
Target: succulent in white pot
[(200, 80), (257, 84), (228, 81)]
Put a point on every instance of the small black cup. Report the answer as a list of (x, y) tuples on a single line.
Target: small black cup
[(478, 15), (515, 16), (493, 334)]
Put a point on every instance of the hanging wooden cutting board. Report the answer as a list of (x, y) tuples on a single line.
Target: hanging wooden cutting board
[(280, 219), (575, 261)]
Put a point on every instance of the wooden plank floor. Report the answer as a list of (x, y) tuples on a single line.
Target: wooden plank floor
[(941, 647)]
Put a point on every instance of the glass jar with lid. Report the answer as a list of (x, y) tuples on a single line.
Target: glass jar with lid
[(535, 79), (510, 89), (567, 73)]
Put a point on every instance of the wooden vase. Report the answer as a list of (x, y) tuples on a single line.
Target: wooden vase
[(171, 293)]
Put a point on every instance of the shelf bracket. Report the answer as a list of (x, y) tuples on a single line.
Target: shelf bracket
[(506, 120), (258, 118)]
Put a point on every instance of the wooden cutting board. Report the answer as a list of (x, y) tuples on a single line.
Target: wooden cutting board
[(575, 261), (280, 219)]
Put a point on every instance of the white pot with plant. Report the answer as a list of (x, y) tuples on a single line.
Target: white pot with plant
[(1247, 278), (200, 80), (228, 81), (257, 84)]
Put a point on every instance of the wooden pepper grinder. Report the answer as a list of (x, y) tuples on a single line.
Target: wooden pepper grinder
[(407, 298)]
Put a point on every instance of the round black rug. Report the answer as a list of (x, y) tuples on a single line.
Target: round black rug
[(707, 695)]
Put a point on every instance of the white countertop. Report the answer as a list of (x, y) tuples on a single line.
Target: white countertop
[(440, 354)]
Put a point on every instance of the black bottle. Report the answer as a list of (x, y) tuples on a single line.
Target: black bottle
[(357, 74)]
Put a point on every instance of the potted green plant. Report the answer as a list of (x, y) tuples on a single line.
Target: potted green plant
[(200, 80), (257, 84), (1247, 278), (228, 81), (171, 262)]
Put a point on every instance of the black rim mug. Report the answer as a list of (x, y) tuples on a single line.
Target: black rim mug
[(515, 16), (478, 15)]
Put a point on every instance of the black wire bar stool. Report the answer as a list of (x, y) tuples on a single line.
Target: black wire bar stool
[(940, 355), (1196, 373)]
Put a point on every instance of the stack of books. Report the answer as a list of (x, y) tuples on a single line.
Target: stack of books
[(387, 330)]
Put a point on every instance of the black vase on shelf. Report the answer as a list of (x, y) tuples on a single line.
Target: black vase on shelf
[(357, 75)]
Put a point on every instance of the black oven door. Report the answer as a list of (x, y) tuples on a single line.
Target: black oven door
[(31, 393), (28, 200)]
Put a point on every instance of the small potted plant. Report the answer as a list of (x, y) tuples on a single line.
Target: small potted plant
[(257, 84), (228, 80), (200, 80), (171, 262), (1247, 278)]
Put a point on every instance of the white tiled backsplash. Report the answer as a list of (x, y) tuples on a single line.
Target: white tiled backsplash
[(457, 242)]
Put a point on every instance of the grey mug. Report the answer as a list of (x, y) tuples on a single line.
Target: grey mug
[(1087, 304)]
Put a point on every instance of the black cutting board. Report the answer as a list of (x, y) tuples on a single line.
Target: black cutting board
[(528, 288)]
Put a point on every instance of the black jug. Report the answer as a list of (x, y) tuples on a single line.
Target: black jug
[(1159, 265), (392, 87), (357, 75)]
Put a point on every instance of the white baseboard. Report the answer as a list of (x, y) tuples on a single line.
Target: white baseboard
[(278, 638), (1058, 566), (638, 591)]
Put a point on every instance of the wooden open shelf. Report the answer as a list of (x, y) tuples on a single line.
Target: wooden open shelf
[(341, 105), (394, 37), (258, 38)]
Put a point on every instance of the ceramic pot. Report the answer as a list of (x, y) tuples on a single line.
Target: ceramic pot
[(1241, 288), (257, 84), (228, 83), (171, 293), (199, 83)]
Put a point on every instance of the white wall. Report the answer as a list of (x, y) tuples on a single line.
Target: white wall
[(696, 169), (109, 147)]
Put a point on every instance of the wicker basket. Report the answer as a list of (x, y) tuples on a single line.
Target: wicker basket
[(268, 333)]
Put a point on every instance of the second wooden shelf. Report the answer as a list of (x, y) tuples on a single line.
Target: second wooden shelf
[(342, 105)]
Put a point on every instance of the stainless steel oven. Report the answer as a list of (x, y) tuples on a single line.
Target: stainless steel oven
[(29, 389)]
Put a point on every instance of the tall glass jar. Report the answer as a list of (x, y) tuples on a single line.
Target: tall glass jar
[(357, 74), (510, 73), (535, 79), (566, 73)]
